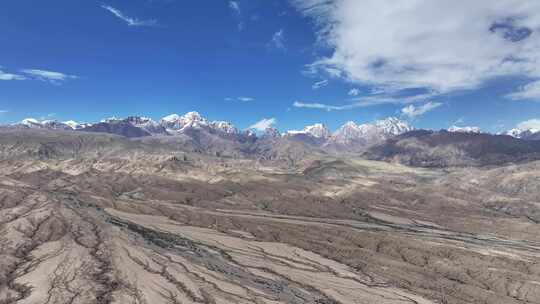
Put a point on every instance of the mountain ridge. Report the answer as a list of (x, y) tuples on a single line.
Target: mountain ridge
[(348, 132)]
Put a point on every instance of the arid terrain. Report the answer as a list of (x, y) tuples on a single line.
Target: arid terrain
[(99, 218)]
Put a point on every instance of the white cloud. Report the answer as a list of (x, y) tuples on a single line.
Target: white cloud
[(3, 112), (278, 40), (243, 98), (413, 111), (528, 91), (235, 7), (354, 92), (320, 84), (322, 106), (529, 124), (439, 45), (129, 20), (50, 76), (9, 76), (363, 102), (263, 124)]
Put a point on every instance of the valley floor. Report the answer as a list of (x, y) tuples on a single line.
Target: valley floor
[(148, 229)]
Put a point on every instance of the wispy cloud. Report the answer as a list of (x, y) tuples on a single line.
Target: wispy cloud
[(242, 98), (363, 102), (528, 91), (278, 40), (129, 20), (413, 111), (3, 112), (263, 124), (319, 84), (354, 92), (10, 76), (234, 6), (49, 76), (322, 106)]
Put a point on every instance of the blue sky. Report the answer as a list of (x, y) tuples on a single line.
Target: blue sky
[(297, 61)]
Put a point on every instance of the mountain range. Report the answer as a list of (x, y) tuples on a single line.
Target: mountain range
[(175, 124), (350, 134), (389, 139)]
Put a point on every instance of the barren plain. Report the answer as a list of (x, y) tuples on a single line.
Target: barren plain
[(94, 218)]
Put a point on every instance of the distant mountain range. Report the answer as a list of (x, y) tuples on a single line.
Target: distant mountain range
[(389, 139), (174, 124)]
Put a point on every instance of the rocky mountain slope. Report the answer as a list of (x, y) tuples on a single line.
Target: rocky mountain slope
[(449, 149)]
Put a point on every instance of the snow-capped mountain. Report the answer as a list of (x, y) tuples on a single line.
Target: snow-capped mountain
[(318, 130), (45, 124), (75, 125), (30, 122), (55, 125), (392, 126), (527, 134), (175, 123), (224, 126), (351, 133), (146, 124), (350, 136), (464, 129)]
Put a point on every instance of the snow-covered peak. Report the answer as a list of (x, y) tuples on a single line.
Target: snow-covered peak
[(194, 116), (171, 118), (393, 126), (140, 121), (30, 122), (521, 133), (177, 123), (464, 129), (111, 119), (55, 125), (388, 126), (147, 124), (224, 126), (349, 125), (351, 132), (45, 124), (73, 124), (317, 130)]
